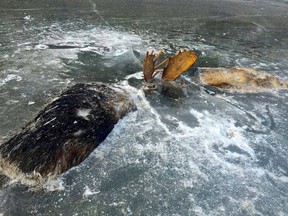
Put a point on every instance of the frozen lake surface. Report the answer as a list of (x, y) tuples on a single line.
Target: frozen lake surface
[(222, 154)]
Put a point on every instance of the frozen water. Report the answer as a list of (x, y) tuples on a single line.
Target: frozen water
[(222, 154)]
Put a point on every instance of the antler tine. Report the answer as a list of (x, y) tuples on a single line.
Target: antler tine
[(158, 55), (161, 63), (157, 66)]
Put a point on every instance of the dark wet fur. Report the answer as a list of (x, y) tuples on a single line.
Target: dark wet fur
[(53, 147)]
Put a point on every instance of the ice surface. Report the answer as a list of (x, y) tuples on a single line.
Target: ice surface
[(198, 155), (9, 78)]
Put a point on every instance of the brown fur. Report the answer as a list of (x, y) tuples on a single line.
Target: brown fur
[(241, 79)]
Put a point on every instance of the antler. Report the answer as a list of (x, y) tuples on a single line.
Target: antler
[(178, 64), (149, 65)]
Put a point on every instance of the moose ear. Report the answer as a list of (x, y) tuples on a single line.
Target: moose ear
[(178, 64)]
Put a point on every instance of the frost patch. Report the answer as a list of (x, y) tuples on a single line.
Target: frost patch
[(9, 78), (89, 192), (83, 113), (54, 185)]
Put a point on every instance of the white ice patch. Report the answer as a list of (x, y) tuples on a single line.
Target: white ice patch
[(41, 46), (54, 185), (221, 131), (138, 75), (89, 192), (28, 18), (11, 102), (199, 141), (9, 78), (83, 113), (98, 40)]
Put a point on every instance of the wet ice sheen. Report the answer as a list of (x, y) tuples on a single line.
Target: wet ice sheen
[(198, 155)]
